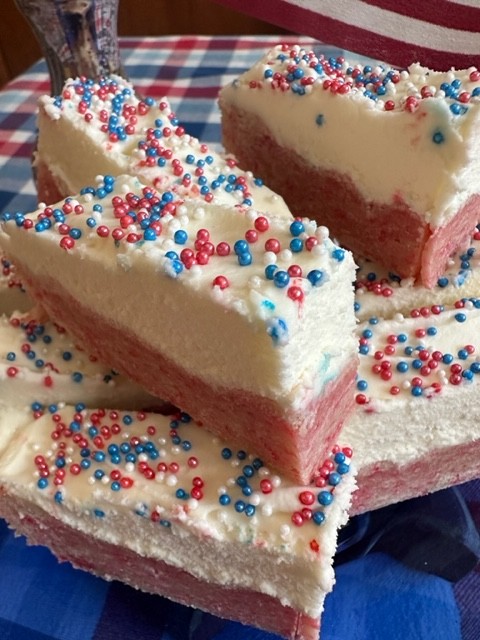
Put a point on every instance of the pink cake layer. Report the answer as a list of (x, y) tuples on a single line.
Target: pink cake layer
[(49, 187), (294, 441), (385, 483), (112, 562), (392, 235)]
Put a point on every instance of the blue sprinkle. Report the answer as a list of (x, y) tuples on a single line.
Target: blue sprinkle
[(149, 234), (240, 506), (362, 385), (320, 119), (180, 236), (460, 317), (281, 279), (257, 464), (296, 228), (240, 247), (75, 233), (338, 254), (438, 137), (244, 259), (458, 109), (270, 271), (315, 277), (442, 282), (325, 498), (334, 479), (224, 499), (277, 329), (248, 471), (318, 517), (296, 245)]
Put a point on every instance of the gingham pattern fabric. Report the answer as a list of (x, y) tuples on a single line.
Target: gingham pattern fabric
[(376, 597)]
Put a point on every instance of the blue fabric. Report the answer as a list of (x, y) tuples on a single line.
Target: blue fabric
[(383, 599), (377, 596)]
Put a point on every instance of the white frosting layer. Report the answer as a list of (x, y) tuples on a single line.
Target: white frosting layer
[(40, 366), (111, 131), (242, 332), (432, 362), (168, 490), (395, 134), (383, 294)]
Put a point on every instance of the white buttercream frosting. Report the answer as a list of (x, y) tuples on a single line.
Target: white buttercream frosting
[(111, 131), (41, 366), (417, 385), (383, 294), (409, 135), (274, 316), (168, 490)]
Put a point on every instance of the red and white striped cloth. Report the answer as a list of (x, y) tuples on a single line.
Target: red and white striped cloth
[(439, 34)]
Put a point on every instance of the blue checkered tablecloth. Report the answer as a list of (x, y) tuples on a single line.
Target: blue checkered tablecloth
[(378, 596)]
